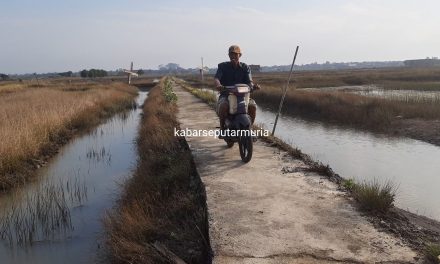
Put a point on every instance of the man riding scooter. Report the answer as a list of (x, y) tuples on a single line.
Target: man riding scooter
[(228, 74)]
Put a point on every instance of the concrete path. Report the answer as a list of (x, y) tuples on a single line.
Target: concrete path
[(258, 214)]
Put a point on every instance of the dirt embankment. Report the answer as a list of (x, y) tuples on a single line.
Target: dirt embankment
[(161, 217), (276, 210)]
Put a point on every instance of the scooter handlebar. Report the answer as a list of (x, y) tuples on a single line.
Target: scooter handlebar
[(236, 89)]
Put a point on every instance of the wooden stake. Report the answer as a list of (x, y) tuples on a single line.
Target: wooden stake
[(285, 91)]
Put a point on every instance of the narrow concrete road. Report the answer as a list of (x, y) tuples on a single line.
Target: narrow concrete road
[(258, 214)]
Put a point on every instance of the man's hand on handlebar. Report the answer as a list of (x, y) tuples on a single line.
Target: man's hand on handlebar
[(220, 88), (256, 87)]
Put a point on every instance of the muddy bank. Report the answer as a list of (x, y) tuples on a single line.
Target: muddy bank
[(424, 130)]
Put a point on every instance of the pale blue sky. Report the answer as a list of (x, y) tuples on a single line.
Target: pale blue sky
[(48, 35)]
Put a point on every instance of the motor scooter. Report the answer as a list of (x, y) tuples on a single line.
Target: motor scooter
[(238, 125)]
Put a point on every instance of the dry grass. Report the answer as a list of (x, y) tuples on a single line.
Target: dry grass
[(33, 119), (390, 78), (347, 109), (427, 79), (164, 201)]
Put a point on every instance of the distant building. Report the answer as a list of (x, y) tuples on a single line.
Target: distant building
[(433, 62), (255, 68), (4, 77)]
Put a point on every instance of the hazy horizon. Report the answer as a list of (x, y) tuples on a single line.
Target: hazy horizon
[(53, 36)]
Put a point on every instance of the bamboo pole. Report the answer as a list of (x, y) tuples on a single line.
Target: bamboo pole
[(285, 91)]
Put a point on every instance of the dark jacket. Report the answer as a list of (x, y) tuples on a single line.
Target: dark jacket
[(228, 75)]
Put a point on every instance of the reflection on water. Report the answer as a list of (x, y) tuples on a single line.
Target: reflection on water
[(82, 181), (411, 164), (43, 213), (99, 155)]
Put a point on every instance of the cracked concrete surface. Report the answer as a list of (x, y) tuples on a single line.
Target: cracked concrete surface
[(271, 211)]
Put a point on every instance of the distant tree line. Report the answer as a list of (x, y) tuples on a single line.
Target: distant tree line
[(92, 73), (66, 74), (170, 67)]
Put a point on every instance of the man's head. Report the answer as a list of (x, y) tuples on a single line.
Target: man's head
[(234, 53)]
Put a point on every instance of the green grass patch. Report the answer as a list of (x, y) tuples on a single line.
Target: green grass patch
[(432, 253), (168, 93), (207, 96), (374, 197), (348, 184)]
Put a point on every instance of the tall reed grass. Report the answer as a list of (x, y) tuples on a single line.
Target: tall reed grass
[(426, 79), (164, 202), (347, 109), (33, 120)]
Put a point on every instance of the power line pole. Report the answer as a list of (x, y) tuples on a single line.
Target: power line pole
[(201, 71), (129, 75)]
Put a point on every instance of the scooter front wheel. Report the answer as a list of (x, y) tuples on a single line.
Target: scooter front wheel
[(245, 144)]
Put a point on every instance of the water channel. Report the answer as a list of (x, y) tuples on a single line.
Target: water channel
[(410, 164), (86, 176)]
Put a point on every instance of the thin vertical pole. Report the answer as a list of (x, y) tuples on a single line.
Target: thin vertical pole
[(129, 74), (285, 91), (202, 71), (36, 78)]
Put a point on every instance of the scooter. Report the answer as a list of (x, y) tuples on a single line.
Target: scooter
[(238, 123)]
